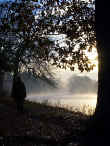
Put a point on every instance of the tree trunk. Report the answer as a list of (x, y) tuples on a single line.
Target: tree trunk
[(99, 127), (103, 48), (98, 131), (103, 100)]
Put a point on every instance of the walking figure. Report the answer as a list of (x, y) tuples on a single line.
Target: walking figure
[(19, 93)]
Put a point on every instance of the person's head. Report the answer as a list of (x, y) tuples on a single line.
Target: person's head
[(17, 78)]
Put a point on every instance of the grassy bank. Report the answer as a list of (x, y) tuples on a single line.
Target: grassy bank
[(41, 119)]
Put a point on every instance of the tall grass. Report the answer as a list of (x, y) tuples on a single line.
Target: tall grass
[(85, 109)]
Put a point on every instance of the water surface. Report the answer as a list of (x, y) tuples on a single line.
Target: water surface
[(68, 100)]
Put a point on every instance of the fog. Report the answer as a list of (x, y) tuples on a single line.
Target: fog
[(75, 91), (82, 85), (74, 88)]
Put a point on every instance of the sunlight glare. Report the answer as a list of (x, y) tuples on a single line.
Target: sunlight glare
[(93, 57)]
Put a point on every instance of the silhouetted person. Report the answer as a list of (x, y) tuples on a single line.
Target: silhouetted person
[(18, 93)]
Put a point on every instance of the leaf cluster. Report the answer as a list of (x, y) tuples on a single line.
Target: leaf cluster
[(27, 26)]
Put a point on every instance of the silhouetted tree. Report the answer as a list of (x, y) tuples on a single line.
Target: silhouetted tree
[(22, 45), (26, 23), (103, 48), (101, 125)]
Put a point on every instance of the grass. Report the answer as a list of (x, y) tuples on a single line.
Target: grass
[(85, 109), (42, 119)]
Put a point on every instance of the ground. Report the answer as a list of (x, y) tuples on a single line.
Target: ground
[(41, 120)]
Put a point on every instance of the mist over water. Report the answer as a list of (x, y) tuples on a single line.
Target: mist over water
[(64, 99), (73, 91), (76, 91)]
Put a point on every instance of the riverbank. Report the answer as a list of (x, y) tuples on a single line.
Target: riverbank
[(41, 119)]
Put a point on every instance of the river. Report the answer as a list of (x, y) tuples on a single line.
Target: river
[(79, 101)]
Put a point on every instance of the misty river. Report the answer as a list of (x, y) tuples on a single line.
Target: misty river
[(65, 100)]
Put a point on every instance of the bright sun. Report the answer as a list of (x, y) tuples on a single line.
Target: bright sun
[(93, 56)]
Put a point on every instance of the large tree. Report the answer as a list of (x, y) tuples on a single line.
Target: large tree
[(103, 48), (76, 19), (99, 132), (33, 23), (26, 27), (21, 36), (23, 47)]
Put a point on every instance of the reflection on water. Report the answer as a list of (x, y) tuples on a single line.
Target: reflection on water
[(78, 102), (86, 106), (66, 100)]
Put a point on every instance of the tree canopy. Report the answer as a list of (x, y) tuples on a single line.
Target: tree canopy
[(75, 19), (27, 29)]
